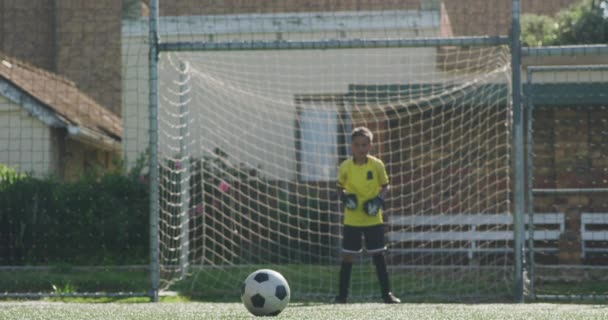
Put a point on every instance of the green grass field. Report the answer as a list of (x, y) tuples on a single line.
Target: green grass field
[(42, 310), (197, 306)]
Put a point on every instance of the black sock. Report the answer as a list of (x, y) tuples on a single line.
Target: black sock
[(382, 273), (345, 271)]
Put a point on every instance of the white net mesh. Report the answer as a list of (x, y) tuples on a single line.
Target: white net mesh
[(249, 147)]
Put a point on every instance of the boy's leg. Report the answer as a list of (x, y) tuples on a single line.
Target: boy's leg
[(345, 273), (374, 240), (382, 273), (351, 245)]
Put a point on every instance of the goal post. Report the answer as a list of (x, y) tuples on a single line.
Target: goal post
[(270, 104)]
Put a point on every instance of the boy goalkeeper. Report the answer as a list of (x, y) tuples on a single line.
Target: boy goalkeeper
[(362, 186)]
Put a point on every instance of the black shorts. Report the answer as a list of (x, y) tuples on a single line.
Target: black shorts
[(374, 239)]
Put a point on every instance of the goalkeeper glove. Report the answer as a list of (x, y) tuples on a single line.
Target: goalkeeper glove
[(373, 206), (349, 200)]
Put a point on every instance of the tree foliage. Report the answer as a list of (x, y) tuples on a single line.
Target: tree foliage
[(583, 23), (538, 30)]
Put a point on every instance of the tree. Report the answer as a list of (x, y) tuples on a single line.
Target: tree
[(537, 30), (584, 23)]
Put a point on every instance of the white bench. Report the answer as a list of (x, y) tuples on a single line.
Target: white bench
[(594, 228), (467, 233)]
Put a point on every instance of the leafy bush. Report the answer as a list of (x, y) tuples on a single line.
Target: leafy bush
[(584, 23), (270, 214), (538, 30), (92, 221), (9, 175)]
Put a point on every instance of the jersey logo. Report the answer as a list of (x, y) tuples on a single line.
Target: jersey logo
[(370, 175)]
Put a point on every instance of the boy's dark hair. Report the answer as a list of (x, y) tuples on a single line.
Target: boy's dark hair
[(362, 132)]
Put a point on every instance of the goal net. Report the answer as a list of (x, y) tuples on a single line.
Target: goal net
[(250, 141)]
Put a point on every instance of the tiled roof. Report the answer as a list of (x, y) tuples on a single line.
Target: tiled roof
[(62, 97)]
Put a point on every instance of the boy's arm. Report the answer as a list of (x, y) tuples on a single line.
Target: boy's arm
[(383, 180), (349, 201), (384, 191)]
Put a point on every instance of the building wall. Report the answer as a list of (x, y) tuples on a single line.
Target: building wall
[(26, 31), (81, 158), (570, 145), (135, 97), (25, 142), (199, 7), (31, 147), (467, 17), (81, 39), (76, 39), (88, 48), (267, 125)]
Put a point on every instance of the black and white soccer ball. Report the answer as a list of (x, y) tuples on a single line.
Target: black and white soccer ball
[(265, 292)]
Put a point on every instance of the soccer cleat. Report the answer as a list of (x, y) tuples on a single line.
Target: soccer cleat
[(339, 300), (391, 299)]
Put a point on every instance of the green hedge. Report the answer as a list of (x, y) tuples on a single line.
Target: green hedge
[(104, 219), (92, 221)]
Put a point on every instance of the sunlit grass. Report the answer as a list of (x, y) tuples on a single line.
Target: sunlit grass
[(204, 310)]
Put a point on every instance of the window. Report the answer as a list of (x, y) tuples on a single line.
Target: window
[(320, 138)]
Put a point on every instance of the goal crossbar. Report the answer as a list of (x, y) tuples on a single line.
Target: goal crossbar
[(333, 44)]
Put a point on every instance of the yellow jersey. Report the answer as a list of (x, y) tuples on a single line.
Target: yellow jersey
[(365, 181)]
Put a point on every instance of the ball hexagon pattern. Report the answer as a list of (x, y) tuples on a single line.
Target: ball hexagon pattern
[(265, 292)]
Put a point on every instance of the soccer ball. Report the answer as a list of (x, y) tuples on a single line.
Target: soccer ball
[(265, 293)]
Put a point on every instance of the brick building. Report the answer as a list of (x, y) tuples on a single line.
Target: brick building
[(79, 40)]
